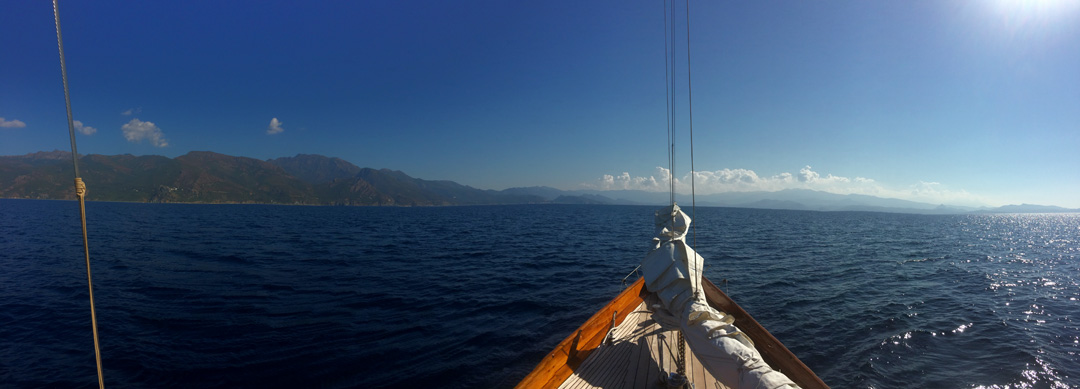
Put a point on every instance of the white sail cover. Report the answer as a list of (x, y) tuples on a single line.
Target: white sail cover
[(675, 279)]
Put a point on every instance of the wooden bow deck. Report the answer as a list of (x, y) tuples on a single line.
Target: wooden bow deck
[(638, 355)]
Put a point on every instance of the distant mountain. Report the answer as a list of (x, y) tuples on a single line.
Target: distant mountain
[(792, 199), (584, 199), (1030, 208), (545, 192), (610, 197), (316, 169), (405, 190), (775, 204), (196, 177), (208, 177)]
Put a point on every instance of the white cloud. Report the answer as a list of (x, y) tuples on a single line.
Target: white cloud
[(744, 180), (13, 123), (809, 176), (275, 127), (136, 130), (84, 129), (625, 181), (131, 111)]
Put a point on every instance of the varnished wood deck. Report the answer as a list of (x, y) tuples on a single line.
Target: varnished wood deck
[(635, 358)]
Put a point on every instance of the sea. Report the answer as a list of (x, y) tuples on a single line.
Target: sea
[(474, 296)]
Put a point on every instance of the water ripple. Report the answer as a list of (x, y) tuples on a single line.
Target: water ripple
[(274, 296)]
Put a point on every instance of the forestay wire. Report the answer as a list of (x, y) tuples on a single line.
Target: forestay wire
[(669, 84), (690, 107), (80, 192), (669, 70)]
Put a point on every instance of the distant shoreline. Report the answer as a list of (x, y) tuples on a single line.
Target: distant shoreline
[(204, 177), (980, 212)]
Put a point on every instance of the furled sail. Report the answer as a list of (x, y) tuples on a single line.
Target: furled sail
[(672, 272)]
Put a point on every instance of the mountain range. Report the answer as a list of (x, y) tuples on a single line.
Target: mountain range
[(307, 179)]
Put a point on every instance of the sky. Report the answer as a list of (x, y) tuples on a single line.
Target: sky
[(950, 102)]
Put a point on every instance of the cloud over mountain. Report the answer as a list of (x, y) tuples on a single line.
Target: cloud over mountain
[(136, 130), (707, 182)]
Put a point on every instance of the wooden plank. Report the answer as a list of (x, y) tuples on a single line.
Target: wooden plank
[(608, 365), (695, 371), (772, 351), (633, 361), (652, 372), (669, 353), (560, 363), (630, 332), (637, 360), (614, 365), (644, 361)]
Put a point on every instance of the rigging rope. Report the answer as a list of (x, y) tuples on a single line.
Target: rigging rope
[(690, 106), (80, 192), (674, 112), (670, 58), (693, 173), (669, 146)]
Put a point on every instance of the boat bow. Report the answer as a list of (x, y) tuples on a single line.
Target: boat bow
[(672, 274)]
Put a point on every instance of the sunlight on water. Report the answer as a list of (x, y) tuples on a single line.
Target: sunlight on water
[(1033, 271)]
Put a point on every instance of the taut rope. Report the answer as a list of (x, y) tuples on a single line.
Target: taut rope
[(80, 192)]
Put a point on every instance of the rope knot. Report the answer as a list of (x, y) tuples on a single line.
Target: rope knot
[(80, 187)]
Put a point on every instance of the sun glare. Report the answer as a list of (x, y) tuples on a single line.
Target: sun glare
[(1038, 22), (1039, 11)]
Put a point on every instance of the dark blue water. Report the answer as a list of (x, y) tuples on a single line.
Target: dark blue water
[(280, 296)]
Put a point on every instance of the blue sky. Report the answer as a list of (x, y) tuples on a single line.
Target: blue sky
[(957, 102)]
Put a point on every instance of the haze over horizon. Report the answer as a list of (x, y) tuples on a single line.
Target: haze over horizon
[(960, 103)]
